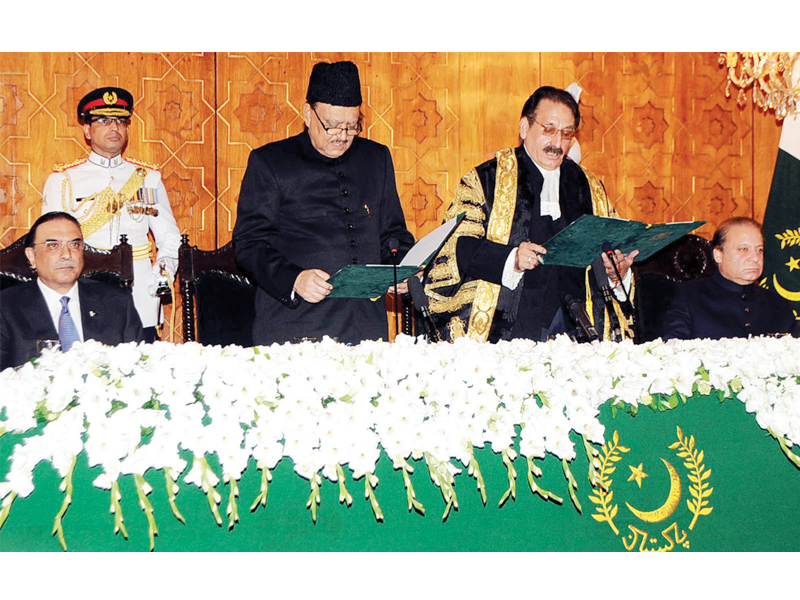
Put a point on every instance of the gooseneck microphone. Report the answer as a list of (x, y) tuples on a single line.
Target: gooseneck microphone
[(577, 312), (614, 326), (393, 249), (627, 305), (420, 300), (609, 252)]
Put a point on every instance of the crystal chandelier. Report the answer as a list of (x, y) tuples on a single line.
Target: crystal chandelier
[(770, 75)]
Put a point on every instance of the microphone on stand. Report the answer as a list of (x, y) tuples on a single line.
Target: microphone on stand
[(577, 312), (627, 305), (393, 250), (609, 252), (420, 300), (616, 330)]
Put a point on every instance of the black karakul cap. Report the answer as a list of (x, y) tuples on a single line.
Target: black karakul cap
[(334, 83), (105, 102)]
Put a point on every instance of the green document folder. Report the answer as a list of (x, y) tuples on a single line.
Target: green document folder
[(367, 281), (372, 281), (580, 243)]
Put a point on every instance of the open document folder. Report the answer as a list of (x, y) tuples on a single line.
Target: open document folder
[(371, 281), (580, 243)]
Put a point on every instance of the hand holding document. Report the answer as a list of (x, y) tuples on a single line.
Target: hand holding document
[(582, 242), (372, 281)]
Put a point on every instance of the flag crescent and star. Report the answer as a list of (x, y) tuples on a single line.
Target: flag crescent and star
[(782, 217)]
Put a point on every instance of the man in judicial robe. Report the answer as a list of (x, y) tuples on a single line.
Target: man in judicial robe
[(730, 303), (56, 306), (311, 204), (488, 281)]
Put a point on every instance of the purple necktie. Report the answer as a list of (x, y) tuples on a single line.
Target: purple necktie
[(67, 332)]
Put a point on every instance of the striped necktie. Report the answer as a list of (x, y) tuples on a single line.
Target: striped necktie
[(67, 332)]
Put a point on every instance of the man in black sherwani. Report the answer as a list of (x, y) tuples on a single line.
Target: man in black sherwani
[(730, 303), (311, 204)]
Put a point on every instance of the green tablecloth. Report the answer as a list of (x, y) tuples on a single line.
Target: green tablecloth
[(753, 492)]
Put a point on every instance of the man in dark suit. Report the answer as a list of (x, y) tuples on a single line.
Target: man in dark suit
[(311, 204), (56, 306), (730, 303)]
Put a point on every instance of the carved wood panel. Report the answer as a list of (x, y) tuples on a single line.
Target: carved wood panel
[(667, 142), (173, 126), (656, 126)]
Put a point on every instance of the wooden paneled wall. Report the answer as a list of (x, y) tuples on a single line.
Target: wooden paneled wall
[(656, 127)]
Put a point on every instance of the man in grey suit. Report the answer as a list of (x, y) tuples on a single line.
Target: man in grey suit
[(56, 306)]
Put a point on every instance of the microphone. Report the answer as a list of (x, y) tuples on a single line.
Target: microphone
[(614, 326), (577, 312), (609, 252), (627, 305), (393, 247), (420, 300)]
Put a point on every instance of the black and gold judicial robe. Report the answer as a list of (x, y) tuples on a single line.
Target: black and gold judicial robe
[(301, 210), (501, 199)]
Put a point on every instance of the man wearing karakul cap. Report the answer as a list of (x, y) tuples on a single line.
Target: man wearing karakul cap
[(111, 195), (311, 204)]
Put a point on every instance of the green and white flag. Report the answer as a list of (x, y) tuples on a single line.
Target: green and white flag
[(782, 218)]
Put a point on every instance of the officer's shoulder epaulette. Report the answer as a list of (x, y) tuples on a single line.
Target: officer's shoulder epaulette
[(141, 163), (61, 167)]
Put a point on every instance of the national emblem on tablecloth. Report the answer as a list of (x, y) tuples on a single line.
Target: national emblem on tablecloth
[(649, 533)]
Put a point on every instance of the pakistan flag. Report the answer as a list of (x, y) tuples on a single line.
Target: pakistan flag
[(782, 218)]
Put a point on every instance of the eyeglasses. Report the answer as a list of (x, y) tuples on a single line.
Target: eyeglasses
[(53, 246), (351, 131), (108, 121), (550, 131)]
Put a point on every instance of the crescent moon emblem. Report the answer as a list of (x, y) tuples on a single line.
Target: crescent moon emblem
[(666, 509), (110, 97), (793, 296)]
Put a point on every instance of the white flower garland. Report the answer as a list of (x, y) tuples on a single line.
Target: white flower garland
[(326, 406)]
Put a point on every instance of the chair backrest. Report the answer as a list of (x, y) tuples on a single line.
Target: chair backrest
[(689, 257), (218, 301), (112, 266)]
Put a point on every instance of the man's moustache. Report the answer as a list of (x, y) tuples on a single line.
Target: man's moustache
[(554, 150), (67, 263)]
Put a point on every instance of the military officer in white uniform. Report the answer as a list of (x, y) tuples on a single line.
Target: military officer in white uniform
[(111, 195)]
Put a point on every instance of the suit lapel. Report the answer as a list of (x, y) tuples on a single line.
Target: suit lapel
[(91, 312), (41, 323)]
